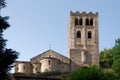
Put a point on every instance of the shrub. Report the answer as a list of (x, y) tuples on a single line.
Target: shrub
[(89, 73)]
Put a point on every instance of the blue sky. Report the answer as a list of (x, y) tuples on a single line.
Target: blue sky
[(37, 23)]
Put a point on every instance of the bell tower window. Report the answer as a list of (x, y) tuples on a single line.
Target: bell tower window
[(80, 21), (87, 22), (89, 35), (91, 22), (78, 34), (76, 21)]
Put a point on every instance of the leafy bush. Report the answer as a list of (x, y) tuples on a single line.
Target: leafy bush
[(89, 73), (116, 66)]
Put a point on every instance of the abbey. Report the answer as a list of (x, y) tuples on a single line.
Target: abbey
[(83, 48)]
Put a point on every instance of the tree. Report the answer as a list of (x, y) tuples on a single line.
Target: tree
[(112, 57), (116, 66), (117, 49), (116, 63), (106, 58), (7, 56), (2, 4), (89, 73)]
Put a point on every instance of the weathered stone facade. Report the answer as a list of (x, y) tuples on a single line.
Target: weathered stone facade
[(45, 62), (83, 39), (83, 47), (23, 67)]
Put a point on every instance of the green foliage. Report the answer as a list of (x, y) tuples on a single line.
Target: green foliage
[(106, 58), (117, 43), (90, 73), (117, 49), (111, 57), (116, 63), (116, 66)]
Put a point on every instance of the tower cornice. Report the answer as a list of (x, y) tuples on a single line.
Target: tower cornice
[(77, 13)]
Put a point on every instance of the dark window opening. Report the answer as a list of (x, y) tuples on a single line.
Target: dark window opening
[(24, 67), (89, 34), (78, 34), (76, 21), (91, 22), (49, 62), (85, 67), (17, 68), (87, 22), (80, 21)]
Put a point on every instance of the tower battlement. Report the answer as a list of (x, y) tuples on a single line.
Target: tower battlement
[(77, 13)]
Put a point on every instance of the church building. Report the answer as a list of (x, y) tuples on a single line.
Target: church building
[(83, 48)]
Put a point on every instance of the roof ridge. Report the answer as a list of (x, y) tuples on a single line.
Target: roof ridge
[(48, 51)]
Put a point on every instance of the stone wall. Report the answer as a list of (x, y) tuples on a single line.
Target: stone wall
[(46, 62), (64, 67), (50, 53), (50, 65), (23, 67)]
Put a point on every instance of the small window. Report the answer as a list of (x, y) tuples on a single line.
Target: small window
[(89, 34), (17, 68), (80, 21), (78, 34), (87, 22), (24, 67), (48, 62), (91, 22), (76, 21)]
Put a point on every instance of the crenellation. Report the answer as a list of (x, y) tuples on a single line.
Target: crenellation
[(83, 14)]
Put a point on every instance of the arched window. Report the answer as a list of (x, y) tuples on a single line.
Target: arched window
[(76, 21), (78, 34), (48, 62), (87, 22), (89, 35), (80, 21), (91, 22)]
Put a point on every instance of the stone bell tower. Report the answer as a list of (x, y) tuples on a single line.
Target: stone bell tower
[(83, 42)]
